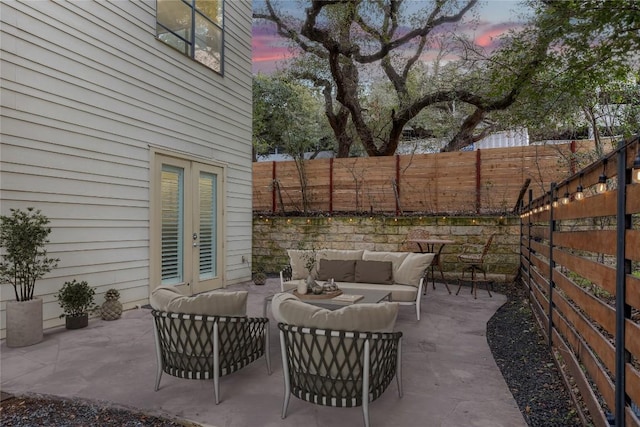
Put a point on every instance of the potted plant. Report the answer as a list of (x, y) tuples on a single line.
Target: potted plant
[(76, 300), (23, 235)]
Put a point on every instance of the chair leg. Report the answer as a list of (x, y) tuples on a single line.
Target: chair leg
[(365, 413), (443, 281), (285, 370), (158, 357), (267, 347), (158, 376), (473, 281), (399, 368), (285, 404), (216, 363), (365, 383), (484, 272)]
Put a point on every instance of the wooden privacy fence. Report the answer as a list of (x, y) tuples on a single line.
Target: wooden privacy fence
[(581, 262), (482, 181)]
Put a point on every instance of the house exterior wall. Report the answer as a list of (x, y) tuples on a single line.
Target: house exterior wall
[(87, 93)]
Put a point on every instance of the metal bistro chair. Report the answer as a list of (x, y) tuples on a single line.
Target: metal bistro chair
[(338, 368), (475, 263), (203, 347)]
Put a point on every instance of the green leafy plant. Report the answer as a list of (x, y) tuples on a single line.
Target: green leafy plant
[(76, 298), (310, 260), (23, 235)]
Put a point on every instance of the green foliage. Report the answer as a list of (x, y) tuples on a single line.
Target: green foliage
[(23, 235), (76, 298), (572, 59), (589, 74), (287, 116)]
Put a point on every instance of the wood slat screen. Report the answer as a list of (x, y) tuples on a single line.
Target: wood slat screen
[(571, 266), (483, 181)]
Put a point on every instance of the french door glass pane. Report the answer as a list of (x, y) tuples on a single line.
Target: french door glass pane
[(208, 225), (172, 189)]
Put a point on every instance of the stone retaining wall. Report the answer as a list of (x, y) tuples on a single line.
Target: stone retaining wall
[(273, 235)]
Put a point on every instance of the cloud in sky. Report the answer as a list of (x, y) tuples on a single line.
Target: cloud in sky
[(268, 48), (496, 18), (488, 37)]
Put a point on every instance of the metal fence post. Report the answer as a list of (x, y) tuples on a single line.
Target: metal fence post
[(552, 264), (623, 267)]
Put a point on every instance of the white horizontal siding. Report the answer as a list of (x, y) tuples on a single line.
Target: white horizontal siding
[(86, 90)]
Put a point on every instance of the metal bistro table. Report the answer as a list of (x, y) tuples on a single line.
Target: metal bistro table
[(428, 246)]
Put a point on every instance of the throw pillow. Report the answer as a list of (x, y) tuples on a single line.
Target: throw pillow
[(376, 272), (338, 270), (412, 268), (298, 260), (340, 254), (396, 258)]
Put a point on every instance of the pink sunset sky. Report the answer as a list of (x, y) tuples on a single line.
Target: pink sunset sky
[(495, 18)]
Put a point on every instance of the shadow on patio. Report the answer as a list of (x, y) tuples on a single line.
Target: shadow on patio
[(449, 375)]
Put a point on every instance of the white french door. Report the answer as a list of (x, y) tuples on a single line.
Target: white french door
[(187, 241)]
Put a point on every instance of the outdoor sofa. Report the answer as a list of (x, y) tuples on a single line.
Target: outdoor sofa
[(400, 273)]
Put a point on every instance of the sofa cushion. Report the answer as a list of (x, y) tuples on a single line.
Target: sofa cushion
[(338, 270), (162, 296), (375, 272), (340, 254), (298, 260), (396, 258), (399, 293), (212, 303), (412, 268), (379, 317)]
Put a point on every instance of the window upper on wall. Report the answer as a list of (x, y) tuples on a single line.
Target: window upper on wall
[(194, 27)]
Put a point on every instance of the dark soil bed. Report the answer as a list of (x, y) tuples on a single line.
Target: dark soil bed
[(513, 335), (527, 364), (36, 410)]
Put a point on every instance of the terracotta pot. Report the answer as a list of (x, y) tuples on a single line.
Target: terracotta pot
[(24, 322), (76, 322)]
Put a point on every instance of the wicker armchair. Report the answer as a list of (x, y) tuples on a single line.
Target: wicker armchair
[(207, 347), (339, 368)]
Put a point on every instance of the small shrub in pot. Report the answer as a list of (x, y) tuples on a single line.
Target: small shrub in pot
[(76, 300)]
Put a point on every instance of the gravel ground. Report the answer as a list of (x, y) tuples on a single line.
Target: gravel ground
[(37, 410), (527, 364), (516, 343)]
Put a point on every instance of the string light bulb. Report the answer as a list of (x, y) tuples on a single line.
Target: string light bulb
[(635, 171), (601, 186), (565, 199), (579, 190)]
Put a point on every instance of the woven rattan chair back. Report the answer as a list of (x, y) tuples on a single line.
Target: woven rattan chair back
[(207, 347)]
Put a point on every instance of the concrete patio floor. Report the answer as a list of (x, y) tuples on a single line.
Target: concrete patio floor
[(449, 375)]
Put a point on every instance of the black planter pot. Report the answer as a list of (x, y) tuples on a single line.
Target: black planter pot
[(76, 322)]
